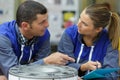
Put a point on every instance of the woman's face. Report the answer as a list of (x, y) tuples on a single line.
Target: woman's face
[(85, 25)]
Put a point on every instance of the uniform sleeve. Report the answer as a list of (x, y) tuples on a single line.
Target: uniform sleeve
[(119, 45), (66, 46), (7, 56), (1, 73), (111, 61), (44, 51)]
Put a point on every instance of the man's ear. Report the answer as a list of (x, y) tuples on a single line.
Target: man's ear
[(24, 25)]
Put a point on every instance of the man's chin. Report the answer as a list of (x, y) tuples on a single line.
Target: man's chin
[(41, 34)]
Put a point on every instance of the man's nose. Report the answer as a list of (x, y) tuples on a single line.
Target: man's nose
[(46, 23)]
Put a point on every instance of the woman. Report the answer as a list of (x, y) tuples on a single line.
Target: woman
[(93, 42)]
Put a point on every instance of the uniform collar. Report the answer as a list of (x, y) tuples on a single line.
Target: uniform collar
[(80, 38), (22, 40)]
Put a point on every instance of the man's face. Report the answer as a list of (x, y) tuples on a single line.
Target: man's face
[(38, 26)]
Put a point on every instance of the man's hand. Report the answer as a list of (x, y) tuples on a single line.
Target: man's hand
[(58, 58), (2, 77)]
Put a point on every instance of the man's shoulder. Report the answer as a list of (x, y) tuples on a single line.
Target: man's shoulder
[(7, 25), (4, 41)]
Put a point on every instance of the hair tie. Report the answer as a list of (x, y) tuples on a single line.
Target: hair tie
[(110, 13)]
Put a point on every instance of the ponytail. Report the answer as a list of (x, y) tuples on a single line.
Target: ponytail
[(114, 29), (102, 16)]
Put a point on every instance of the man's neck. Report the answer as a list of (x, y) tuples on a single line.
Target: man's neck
[(26, 35)]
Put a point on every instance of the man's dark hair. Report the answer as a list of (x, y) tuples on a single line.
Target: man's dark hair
[(28, 10)]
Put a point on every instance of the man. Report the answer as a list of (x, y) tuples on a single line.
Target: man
[(2, 77), (26, 39)]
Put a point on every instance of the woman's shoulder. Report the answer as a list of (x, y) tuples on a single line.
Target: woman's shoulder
[(72, 32), (72, 28)]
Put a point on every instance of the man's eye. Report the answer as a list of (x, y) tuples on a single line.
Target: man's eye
[(85, 24)]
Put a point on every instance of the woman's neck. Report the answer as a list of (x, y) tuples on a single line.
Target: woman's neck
[(89, 40)]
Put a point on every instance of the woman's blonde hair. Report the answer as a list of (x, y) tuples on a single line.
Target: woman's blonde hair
[(102, 16)]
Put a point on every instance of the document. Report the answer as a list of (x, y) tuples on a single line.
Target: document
[(100, 73)]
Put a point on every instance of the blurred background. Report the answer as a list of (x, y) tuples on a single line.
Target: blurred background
[(62, 13)]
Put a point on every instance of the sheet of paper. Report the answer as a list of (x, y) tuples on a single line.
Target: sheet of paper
[(100, 73)]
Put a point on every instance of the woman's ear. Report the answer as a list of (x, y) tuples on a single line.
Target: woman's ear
[(99, 29)]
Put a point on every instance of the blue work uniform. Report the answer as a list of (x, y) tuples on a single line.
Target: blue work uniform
[(13, 51), (73, 45)]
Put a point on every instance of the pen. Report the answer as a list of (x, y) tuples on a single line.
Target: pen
[(97, 65)]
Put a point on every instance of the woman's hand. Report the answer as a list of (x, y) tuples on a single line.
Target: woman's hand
[(79, 78), (90, 65)]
